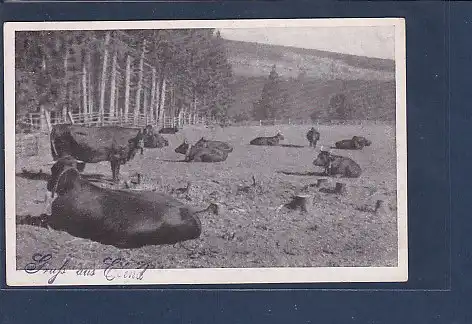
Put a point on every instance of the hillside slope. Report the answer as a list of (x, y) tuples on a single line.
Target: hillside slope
[(368, 83), (254, 59)]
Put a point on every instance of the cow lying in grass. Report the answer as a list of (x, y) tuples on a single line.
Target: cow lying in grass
[(356, 143), (205, 151), (124, 219), (268, 141), (153, 139), (336, 165)]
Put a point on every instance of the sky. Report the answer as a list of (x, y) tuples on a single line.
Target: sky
[(375, 41)]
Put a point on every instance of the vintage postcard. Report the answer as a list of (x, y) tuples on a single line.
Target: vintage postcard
[(205, 152)]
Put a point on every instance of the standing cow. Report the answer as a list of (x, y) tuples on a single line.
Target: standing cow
[(124, 219), (117, 145), (268, 141), (336, 165), (313, 136)]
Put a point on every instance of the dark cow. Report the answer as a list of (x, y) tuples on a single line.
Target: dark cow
[(268, 141), (152, 139), (155, 141), (168, 130), (124, 219), (194, 153), (356, 143), (117, 145), (313, 136), (223, 146), (337, 165), (203, 143)]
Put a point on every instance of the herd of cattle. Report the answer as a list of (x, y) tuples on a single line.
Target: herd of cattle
[(131, 219)]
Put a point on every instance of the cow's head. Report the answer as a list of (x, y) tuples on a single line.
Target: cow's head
[(358, 142), (182, 148), (364, 140), (324, 159), (280, 136), (64, 174)]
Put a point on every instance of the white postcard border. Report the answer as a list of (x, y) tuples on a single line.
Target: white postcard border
[(212, 275)]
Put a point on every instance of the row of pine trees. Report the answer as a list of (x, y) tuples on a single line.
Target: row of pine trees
[(70, 70)]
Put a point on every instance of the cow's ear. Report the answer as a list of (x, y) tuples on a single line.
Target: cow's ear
[(66, 181)]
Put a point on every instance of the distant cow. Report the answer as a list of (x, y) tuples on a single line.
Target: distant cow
[(313, 136), (117, 145), (121, 218), (337, 165), (204, 152), (268, 141), (168, 130), (155, 141), (356, 143), (152, 139), (203, 143)]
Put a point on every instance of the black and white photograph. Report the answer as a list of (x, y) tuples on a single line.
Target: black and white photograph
[(205, 152)]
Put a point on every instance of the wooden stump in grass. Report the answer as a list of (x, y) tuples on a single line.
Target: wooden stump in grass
[(302, 202), (137, 178), (340, 188)]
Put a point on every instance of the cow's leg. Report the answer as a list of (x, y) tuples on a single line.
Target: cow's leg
[(114, 169), (118, 171)]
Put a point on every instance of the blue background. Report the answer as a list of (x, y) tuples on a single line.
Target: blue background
[(439, 52)]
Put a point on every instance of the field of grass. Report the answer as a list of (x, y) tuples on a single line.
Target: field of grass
[(250, 230)]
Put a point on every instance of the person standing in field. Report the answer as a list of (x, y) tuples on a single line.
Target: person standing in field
[(313, 137)]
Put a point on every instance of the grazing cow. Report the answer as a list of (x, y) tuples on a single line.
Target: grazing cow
[(117, 145), (356, 143), (338, 165), (124, 219), (268, 141), (168, 130), (313, 136), (202, 153)]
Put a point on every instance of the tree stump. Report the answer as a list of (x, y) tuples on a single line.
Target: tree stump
[(136, 179), (379, 206), (340, 188), (303, 202)]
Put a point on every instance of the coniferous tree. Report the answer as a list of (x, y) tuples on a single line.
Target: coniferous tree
[(273, 98)]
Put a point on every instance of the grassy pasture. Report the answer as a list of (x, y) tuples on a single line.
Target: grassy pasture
[(249, 231)]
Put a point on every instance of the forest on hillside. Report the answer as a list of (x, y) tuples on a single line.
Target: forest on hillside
[(188, 70), (72, 71), (316, 99)]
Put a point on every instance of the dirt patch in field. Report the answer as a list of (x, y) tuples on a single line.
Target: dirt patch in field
[(250, 230)]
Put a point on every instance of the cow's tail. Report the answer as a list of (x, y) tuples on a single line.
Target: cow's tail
[(54, 152)]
